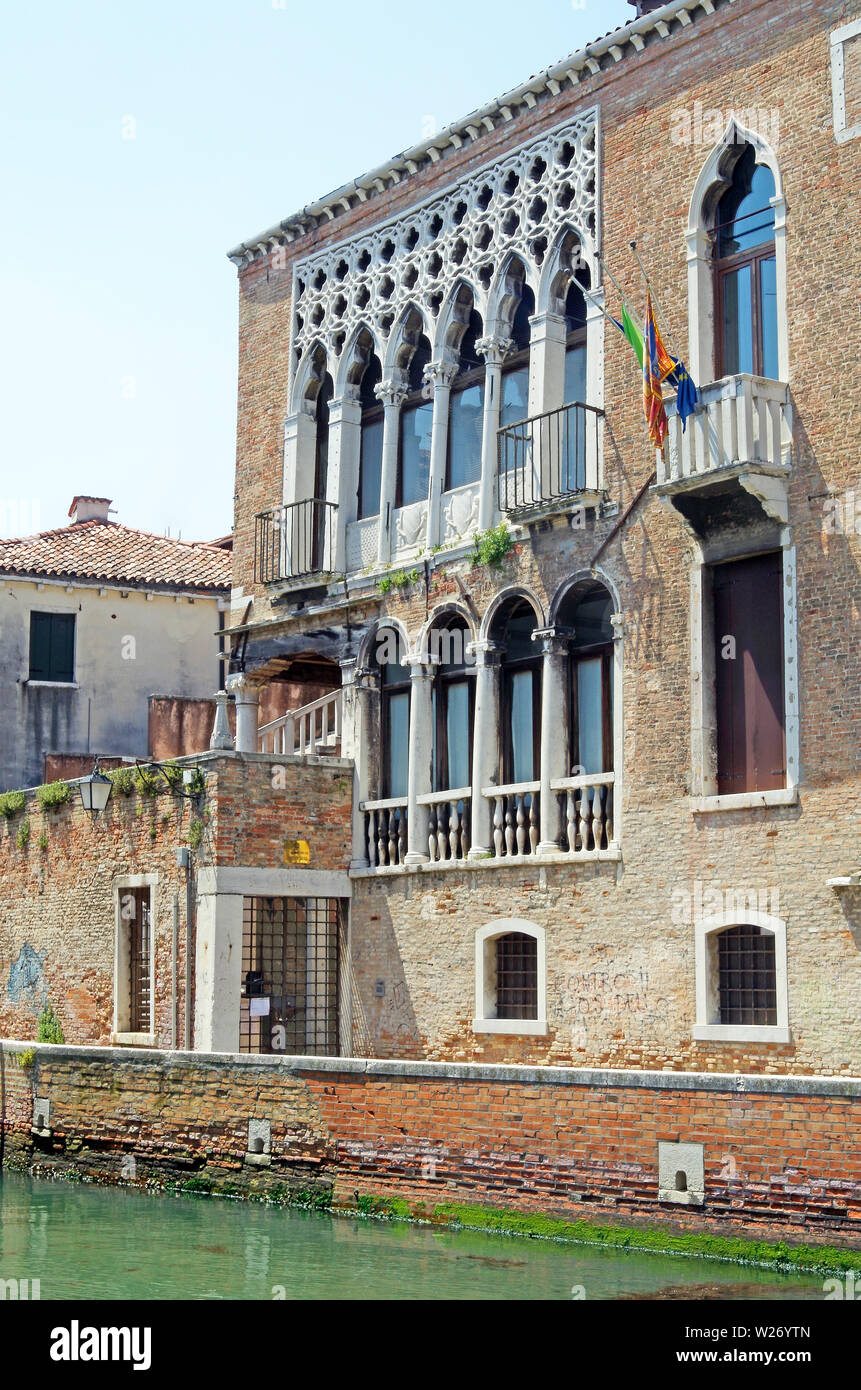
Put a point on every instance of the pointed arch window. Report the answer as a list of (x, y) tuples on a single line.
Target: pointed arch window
[(371, 449), (415, 432), (466, 412), (746, 272), (573, 462), (321, 470)]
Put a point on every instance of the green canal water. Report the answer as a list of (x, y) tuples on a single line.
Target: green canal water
[(86, 1242)]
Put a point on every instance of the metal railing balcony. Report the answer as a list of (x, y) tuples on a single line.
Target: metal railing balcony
[(294, 541), (550, 458)]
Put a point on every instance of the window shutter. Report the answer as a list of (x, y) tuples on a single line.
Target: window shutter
[(63, 646), (748, 608), (40, 646)]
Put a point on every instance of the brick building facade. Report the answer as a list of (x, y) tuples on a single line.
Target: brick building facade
[(672, 861)]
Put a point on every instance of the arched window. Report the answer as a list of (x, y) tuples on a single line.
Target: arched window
[(453, 705), (586, 611), (394, 715), (415, 432), (510, 978), (746, 272), (466, 411), (520, 692), (371, 453), (747, 976), (514, 405), (573, 463)]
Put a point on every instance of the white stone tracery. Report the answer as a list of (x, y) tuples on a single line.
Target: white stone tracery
[(520, 205)]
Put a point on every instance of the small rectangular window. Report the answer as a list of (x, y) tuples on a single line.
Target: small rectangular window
[(52, 647), (748, 977), (138, 912), (516, 976)]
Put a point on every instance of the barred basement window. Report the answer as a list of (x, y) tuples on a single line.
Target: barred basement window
[(290, 958), (516, 976), (747, 976)]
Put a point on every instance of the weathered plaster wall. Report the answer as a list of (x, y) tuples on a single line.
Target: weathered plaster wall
[(126, 648)]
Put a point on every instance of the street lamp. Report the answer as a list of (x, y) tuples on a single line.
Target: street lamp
[(95, 790)]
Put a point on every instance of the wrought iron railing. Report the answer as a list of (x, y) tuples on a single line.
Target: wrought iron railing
[(294, 541), (549, 457)]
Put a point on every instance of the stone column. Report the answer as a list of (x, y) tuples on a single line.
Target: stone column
[(392, 394), (440, 375), (494, 350), (246, 697), (221, 735), (485, 748), (345, 433), (548, 333), (554, 730), (360, 726), (420, 777), (300, 437)]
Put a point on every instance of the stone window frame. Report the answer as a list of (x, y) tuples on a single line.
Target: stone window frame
[(712, 181), (485, 979), (121, 884), (705, 1029), (55, 610), (703, 793), (838, 39)]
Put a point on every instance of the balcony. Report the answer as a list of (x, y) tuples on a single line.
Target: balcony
[(551, 462), (738, 441), (295, 542)]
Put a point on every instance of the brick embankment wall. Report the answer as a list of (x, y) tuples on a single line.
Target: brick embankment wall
[(781, 1154)]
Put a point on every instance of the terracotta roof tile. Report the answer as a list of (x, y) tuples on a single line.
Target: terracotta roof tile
[(110, 551)]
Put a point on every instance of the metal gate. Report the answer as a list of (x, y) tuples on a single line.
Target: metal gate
[(290, 966)]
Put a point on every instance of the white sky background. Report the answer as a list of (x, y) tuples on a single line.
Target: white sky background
[(117, 302)]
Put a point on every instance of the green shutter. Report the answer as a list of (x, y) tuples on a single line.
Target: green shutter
[(52, 647), (40, 646), (62, 647)]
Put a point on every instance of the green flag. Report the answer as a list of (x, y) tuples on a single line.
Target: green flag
[(633, 334)]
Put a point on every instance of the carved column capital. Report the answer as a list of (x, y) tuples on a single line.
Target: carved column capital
[(391, 393), (555, 641), (494, 349), (441, 373), (617, 622)]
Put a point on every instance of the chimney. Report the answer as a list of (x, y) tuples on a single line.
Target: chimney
[(647, 6), (89, 509)]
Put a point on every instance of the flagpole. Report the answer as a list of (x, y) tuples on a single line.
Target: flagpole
[(649, 288), (613, 281), (591, 295)]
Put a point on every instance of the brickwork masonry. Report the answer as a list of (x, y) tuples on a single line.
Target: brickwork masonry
[(780, 1154)]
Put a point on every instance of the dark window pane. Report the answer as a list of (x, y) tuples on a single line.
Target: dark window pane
[(768, 316), (745, 217), (398, 744), (465, 427), (522, 727), (749, 694), (371, 468), (457, 735), (515, 396), (747, 976), (416, 423), (516, 976), (590, 714), (737, 321)]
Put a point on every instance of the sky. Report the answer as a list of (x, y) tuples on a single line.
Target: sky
[(139, 143)]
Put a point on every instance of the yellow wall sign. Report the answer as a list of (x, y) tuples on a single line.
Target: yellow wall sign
[(297, 852)]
